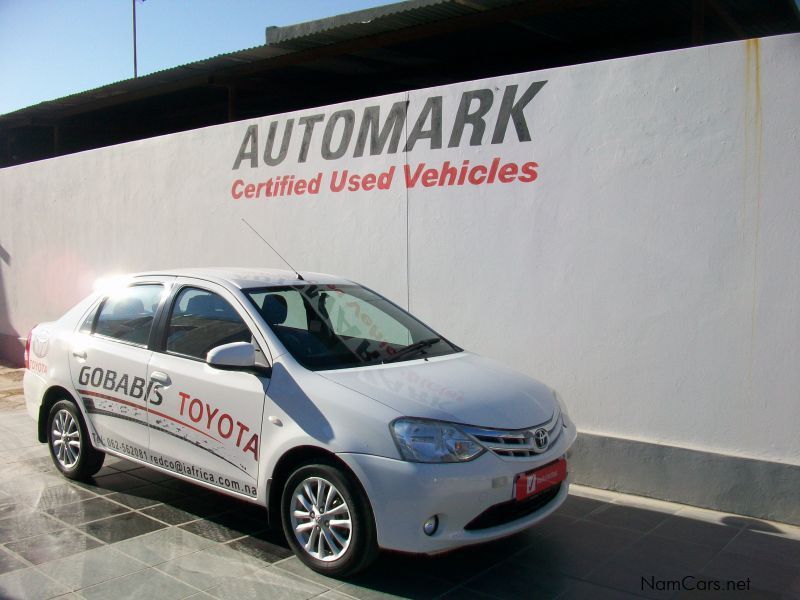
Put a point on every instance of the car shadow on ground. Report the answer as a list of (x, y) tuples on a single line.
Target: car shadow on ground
[(134, 532), (588, 548)]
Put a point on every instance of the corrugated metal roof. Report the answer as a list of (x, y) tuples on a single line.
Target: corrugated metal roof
[(374, 21), (171, 75), (376, 51), (281, 41)]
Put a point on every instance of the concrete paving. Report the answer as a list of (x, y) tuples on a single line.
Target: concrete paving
[(135, 533)]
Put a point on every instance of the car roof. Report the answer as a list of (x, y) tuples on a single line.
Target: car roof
[(246, 277)]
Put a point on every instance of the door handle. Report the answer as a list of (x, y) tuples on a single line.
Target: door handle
[(161, 378), (79, 354)]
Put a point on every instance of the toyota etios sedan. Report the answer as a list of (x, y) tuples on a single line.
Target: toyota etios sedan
[(355, 424)]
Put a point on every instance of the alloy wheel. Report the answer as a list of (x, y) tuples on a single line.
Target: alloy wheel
[(320, 519), (66, 439)]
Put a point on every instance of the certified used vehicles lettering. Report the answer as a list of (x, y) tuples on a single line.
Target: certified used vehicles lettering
[(480, 117), (223, 424)]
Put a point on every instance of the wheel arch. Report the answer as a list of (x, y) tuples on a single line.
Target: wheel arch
[(51, 396), (289, 462)]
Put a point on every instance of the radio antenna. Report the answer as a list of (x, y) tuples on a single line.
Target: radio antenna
[(300, 277)]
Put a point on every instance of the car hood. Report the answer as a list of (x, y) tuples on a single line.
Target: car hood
[(463, 388)]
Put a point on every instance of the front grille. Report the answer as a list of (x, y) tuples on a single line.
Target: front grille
[(506, 512), (517, 443)]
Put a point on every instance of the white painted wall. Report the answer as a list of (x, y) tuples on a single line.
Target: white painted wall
[(650, 273)]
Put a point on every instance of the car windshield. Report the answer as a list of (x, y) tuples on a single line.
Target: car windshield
[(341, 326)]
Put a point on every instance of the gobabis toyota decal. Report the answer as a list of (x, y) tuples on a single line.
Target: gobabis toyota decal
[(119, 395)]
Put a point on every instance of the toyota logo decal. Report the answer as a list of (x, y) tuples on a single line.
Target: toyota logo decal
[(541, 439), (41, 344)]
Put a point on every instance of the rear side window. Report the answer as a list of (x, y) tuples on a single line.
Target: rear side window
[(128, 315), (202, 320)]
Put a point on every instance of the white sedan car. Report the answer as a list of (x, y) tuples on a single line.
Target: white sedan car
[(357, 426)]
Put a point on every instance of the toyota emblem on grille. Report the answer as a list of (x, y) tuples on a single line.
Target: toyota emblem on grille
[(541, 439)]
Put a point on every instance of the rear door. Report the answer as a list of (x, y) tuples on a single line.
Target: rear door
[(108, 365), (207, 422)]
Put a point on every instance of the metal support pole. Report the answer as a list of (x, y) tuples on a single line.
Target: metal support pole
[(56, 140), (698, 22), (231, 103), (135, 70)]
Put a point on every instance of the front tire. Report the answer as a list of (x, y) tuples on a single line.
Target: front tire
[(328, 521), (68, 442)]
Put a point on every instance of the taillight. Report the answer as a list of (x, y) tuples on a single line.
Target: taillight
[(28, 349)]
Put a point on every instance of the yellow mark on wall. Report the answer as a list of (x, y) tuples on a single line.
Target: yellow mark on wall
[(753, 146), (752, 107)]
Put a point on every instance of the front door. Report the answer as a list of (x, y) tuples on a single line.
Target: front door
[(108, 366), (207, 424)]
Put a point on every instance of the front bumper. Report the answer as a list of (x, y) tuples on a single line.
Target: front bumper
[(404, 494)]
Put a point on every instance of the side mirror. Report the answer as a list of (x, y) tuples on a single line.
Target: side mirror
[(238, 355)]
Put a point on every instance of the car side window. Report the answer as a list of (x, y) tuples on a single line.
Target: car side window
[(128, 314), (200, 321)]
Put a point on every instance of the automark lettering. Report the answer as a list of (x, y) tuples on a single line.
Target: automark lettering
[(340, 133)]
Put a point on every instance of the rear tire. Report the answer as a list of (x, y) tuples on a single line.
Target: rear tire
[(69, 445), (328, 521)]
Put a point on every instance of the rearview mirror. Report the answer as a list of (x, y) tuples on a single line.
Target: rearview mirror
[(238, 355)]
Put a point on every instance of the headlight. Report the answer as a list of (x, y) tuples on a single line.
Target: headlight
[(426, 441)]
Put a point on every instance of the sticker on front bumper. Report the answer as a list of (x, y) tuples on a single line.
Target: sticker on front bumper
[(531, 483)]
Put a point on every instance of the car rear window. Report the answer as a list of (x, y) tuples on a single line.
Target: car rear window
[(128, 315)]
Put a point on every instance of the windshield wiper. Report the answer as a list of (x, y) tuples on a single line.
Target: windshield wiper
[(413, 348)]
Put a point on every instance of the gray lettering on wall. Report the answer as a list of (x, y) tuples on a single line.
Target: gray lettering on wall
[(514, 111), (308, 123), (475, 119), (395, 121), (287, 135), (249, 148), (432, 108), (384, 136), (349, 118)]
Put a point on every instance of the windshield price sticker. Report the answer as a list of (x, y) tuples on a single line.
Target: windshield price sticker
[(533, 482)]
